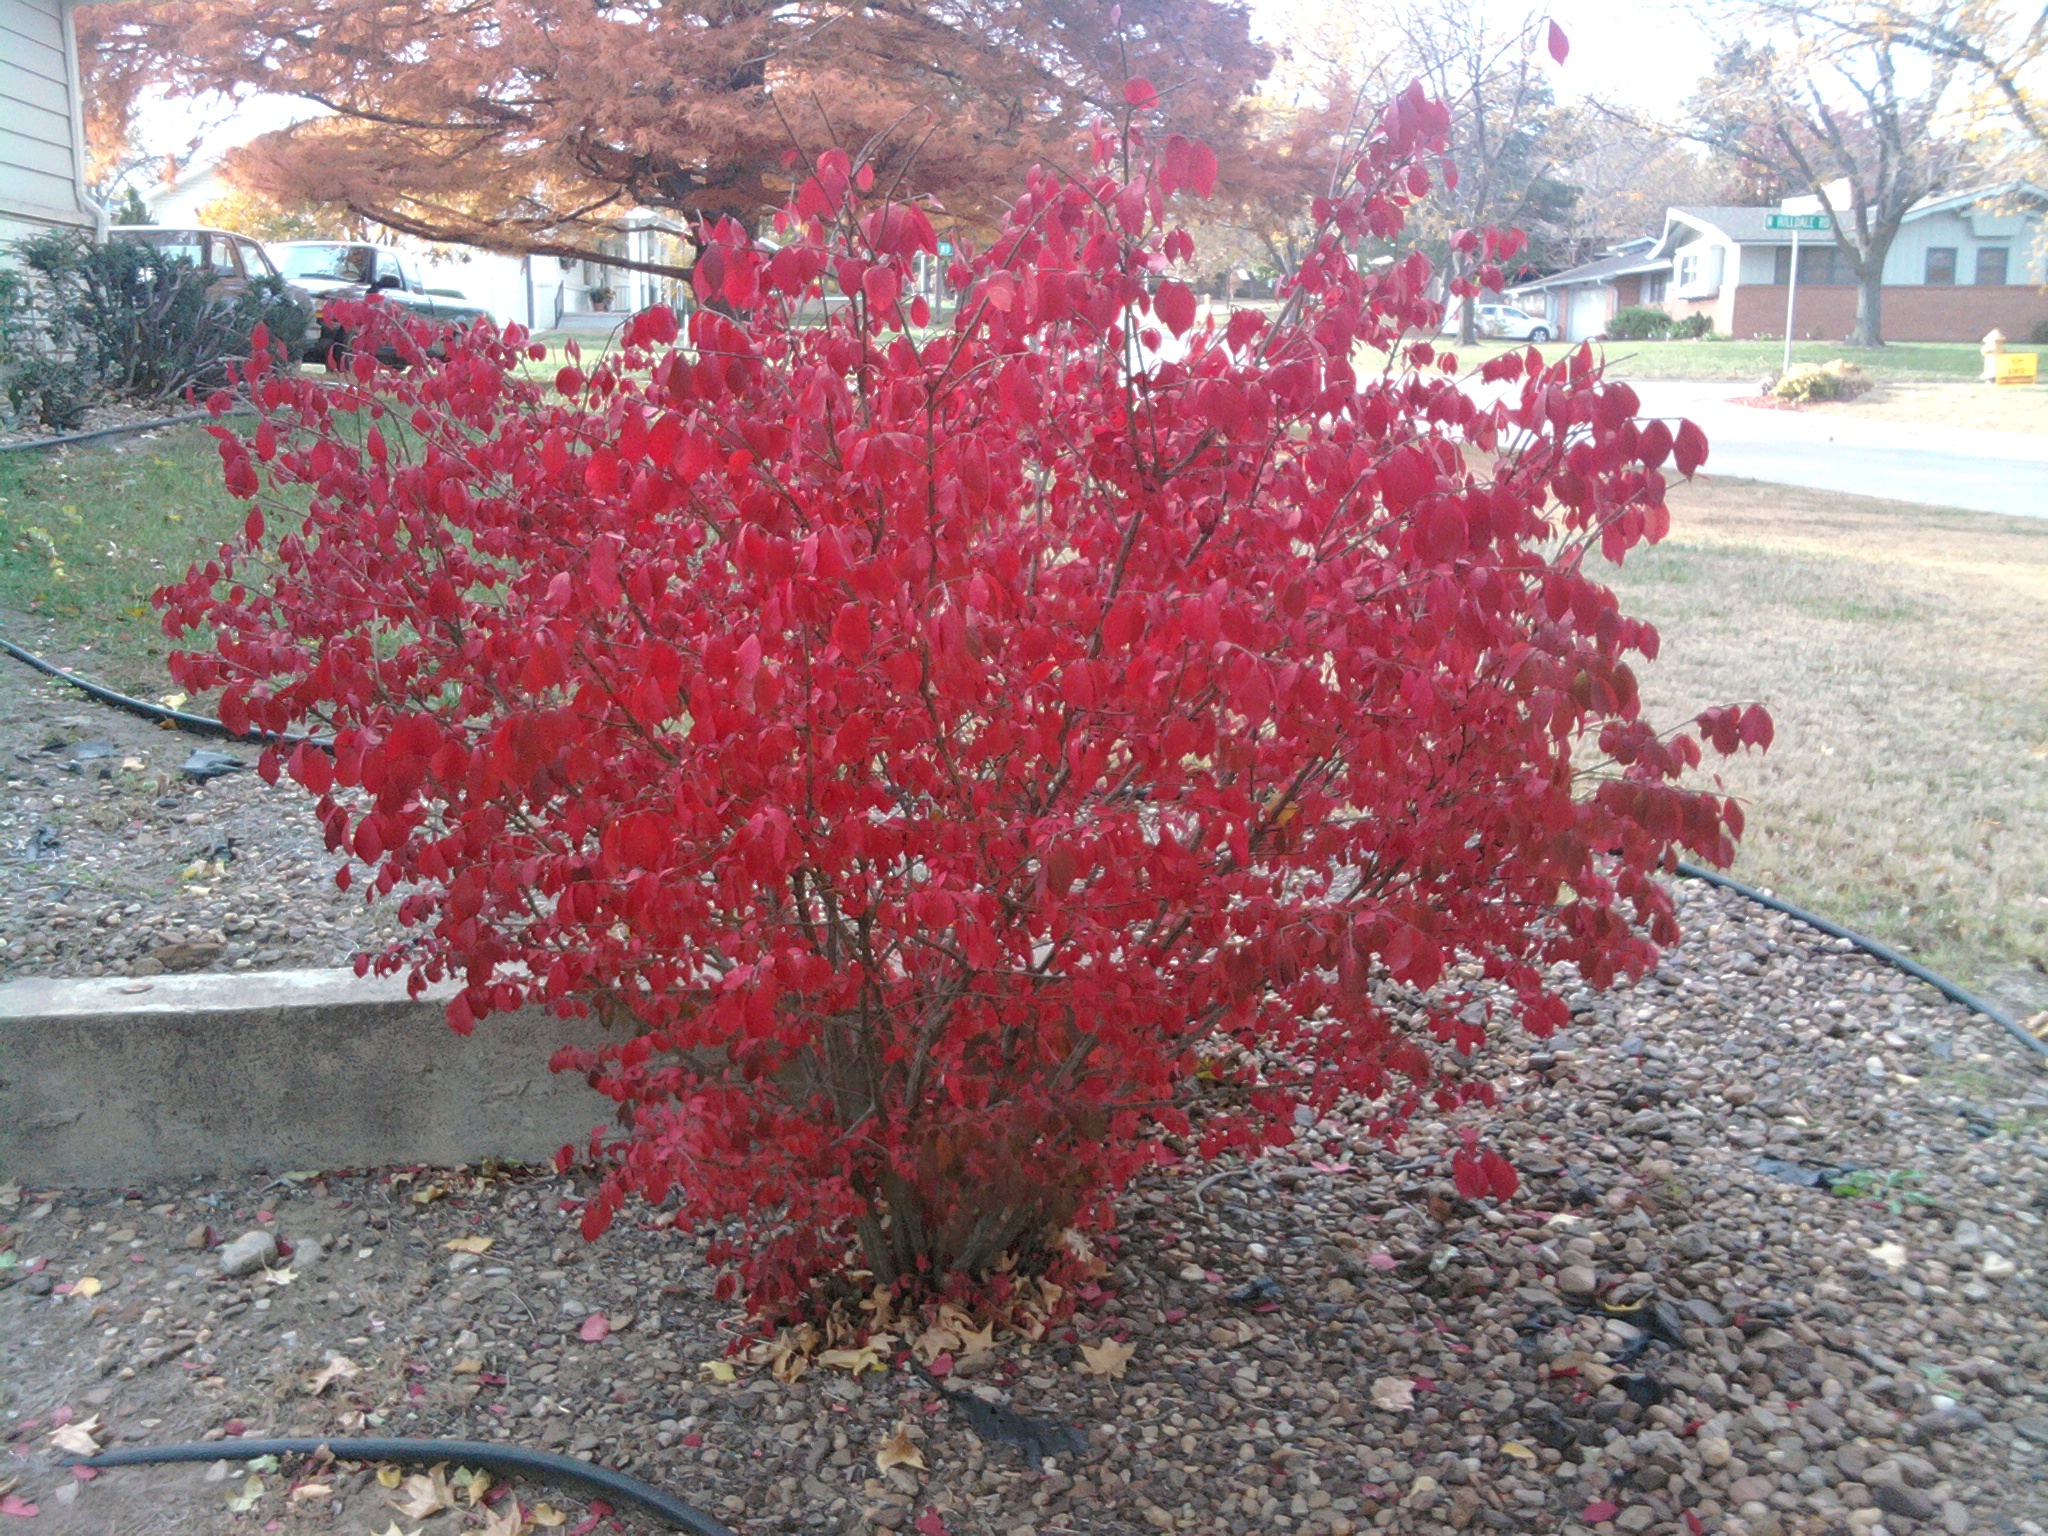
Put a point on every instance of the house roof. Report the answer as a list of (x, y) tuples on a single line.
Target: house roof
[(1744, 225), (1620, 263)]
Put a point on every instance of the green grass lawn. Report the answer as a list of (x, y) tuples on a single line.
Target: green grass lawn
[(1903, 361), (87, 535)]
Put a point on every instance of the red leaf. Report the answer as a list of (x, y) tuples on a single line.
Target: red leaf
[(596, 1328), (1174, 303), (1140, 93), (1559, 46), (1599, 1509), (14, 1504), (1689, 448)]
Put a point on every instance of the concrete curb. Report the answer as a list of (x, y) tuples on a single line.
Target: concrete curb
[(115, 1081)]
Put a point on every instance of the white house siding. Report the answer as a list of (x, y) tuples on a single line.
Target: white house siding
[(179, 203), (42, 146), (1709, 259), (1964, 232)]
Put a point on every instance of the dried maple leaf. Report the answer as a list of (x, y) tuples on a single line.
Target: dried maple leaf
[(508, 1521), (547, 1515), (470, 1244), (1107, 1358), (1393, 1393), (305, 1493), (898, 1450), (423, 1494), (337, 1368)]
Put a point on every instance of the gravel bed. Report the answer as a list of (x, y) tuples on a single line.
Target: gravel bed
[(1662, 1334), (113, 863)]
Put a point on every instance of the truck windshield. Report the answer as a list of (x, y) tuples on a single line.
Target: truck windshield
[(336, 263)]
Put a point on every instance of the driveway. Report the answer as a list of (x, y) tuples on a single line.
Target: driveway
[(1933, 466)]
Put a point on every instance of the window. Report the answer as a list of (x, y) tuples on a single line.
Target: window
[(255, 260), (1941, 266), (1653, 288), (1991, 266), (1688, 269), (226, 259)]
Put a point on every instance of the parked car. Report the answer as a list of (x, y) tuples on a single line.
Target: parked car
[(234, 260), (1503, 322), (347, 269)]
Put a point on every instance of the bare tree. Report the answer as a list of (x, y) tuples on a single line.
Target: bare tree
[(2001, 45), (1509, 136), (1816, 92)]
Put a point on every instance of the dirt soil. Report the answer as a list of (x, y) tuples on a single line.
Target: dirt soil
[(1678, 1326)]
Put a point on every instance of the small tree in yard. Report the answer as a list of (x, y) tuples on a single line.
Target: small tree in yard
[(967, 766)]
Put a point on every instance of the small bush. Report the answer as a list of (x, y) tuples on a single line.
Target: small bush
[(84, 323), (1836, 380), (966, 768), (1692, 328), (1638, 322)]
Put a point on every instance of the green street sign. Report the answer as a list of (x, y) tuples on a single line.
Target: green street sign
[(1796, 221)]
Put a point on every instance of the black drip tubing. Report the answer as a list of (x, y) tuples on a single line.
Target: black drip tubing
[(163, 714), (506, 1460), (206, 725), (1874, 948)]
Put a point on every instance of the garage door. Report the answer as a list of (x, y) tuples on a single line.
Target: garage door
[(1588, 315)]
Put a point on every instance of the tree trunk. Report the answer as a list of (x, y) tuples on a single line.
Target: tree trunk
[(1468, 322), (1869, 331)]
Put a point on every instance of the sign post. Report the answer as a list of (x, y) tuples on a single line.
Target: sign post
[(1794, 222)]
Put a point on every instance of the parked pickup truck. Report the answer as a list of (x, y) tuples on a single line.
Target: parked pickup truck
[(343, 269)]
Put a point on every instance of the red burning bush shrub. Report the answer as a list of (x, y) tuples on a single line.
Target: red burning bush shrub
[(937, 751)]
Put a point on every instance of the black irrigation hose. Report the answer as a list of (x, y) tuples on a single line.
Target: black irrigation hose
[(66, 439), (506, 1460), (1873, 947), (206, 725), (163, 714)]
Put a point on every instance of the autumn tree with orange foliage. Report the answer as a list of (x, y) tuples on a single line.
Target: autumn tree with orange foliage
[(532, 125)]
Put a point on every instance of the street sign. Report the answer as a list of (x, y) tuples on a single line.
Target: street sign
[(1796, 221), (945, 247)]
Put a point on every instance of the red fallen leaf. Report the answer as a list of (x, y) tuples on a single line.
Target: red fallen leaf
[(61, 1417), (36, 1265), (61, 1288), (138, 1258), (1266, 1306), (14, 1504), (595, 1328), (416, 1391), (267, 1216), (84, 1473), (585, 1526), (1692, 1523), (693, 1440), (235, 1427), (932, 1523), (489, 1379), (943, 1365), (1176, 1314), (1598, 1510)]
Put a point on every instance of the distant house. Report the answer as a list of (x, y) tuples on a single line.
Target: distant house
[(1963, 264), (1579, 301), (42, 132)]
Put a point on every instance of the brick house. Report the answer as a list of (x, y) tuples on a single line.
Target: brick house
[(1963, 264)]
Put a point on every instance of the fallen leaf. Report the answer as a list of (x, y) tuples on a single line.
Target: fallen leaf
[(423, 1494), (470, 1244), (77, 1438), (868, 1357), (976, 1341), (241, 1503), (469, 1365), (281, 1276), (1382, 1261), (305, 1493), (479, 1485), (1107, 1358), (719, 1371), (595, 1329), (1599, 1510), (14, 1504), (899, 1451), (1393, 1393), (337, 1368), (86, 1287), (508, 1521), (427, 1194), (1890, 1255), (932, 1523), (390, 1477), (548, 1515), (1516, 1449)]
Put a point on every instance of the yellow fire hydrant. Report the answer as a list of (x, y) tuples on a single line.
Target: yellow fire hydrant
[(2003, 367)]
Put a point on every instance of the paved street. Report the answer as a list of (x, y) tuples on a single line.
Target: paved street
[(1935, 466)]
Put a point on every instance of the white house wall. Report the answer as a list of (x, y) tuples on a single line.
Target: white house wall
[(1711, 261), (42, 159)]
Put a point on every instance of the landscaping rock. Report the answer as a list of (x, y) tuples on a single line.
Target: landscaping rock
[(247, 1254)]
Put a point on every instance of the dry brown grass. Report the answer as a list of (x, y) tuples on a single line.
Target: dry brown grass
[(1904, 654), (1991, 408)]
